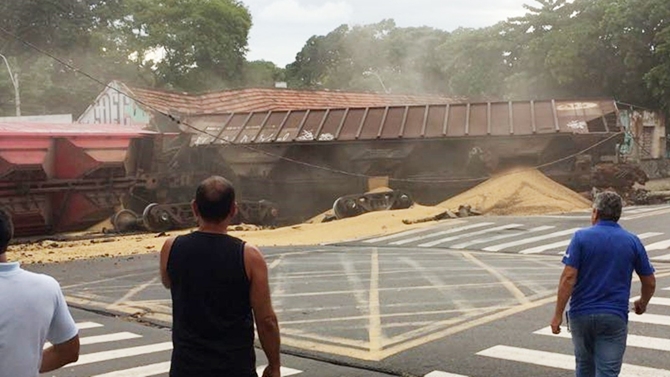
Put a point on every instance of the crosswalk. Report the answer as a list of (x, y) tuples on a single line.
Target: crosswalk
[(540, 235), (639, 340), (117, 351)]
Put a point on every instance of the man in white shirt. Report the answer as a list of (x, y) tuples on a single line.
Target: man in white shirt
[(32, 311)]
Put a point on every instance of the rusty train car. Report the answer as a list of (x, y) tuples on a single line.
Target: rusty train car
[(289, 165), (306, 159)]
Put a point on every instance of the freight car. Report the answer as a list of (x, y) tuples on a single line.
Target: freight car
[(291, 165), (305, 159)]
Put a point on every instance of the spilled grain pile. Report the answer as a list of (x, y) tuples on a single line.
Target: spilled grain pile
[(520, 192)]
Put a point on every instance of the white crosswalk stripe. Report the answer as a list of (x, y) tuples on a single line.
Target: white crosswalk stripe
[(466, 235), (114, 337), (438, 373), (147, 370), (457, 238), (638, 341), (655, 300), (87, 325), (397, 235), (641, 343), (499, 237), (440, 233), (526, 241), (652, 319), (662, 245), (561, 361), (549, 246), (143, 371), (121, 353)]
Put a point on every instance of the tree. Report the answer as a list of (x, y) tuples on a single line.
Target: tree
[(202, 42), (261, 73), (474, 63), (374, 57)]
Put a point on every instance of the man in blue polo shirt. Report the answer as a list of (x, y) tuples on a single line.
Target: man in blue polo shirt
[(599, 265), (32, 311)]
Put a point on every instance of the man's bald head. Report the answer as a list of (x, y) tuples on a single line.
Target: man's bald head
[(214, 199)]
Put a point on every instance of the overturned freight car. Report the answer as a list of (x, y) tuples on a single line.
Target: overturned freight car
[(63, 177), (304, 159)]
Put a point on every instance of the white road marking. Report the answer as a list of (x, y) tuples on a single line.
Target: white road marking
[(397, 235), (638, 341), (653, 319), (114, 337), (143, 371), (122, 352), (634, 210), (283, 371), (561, 361), (556, 245), (441, 233), (161, 368), (465, 235), (549, 246), (88, 325), (661, 211), (663, 258), (438, 373), (465, 245), (531, 240), (663, 245), (655, 300)]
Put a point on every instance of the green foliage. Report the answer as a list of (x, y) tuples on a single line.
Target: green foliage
[(377, 57), (582, 48), (203, 42), (560, 48), (262, 74)]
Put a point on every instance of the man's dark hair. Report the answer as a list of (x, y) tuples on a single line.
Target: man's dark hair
[(214, 199), (609, 205), (6, 230)]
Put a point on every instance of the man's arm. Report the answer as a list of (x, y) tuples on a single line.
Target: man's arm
[(60, 355), (261, 303), (648, 289), (565, 286), (165, 255)]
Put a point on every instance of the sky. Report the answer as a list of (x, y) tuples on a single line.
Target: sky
[(281, 27)]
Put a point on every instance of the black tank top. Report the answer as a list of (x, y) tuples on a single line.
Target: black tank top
[(213, 328)]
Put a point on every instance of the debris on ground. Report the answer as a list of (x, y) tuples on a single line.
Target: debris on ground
[(463, 211), (519, 192)]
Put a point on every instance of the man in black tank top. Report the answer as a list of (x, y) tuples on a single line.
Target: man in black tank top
[(219, 286)]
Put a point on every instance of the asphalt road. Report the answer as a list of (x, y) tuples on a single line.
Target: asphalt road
[(398, 309)]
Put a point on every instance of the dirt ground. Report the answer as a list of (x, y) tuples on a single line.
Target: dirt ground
[(376, 223), (658, 185)]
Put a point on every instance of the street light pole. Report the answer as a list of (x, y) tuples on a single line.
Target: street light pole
[(15, 81)]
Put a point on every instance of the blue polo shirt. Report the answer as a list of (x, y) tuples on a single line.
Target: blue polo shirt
[(605, 256)]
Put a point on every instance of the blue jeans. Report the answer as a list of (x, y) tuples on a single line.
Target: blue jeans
[(600, 342)]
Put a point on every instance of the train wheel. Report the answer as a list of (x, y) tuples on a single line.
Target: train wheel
[(347, 207), (125, 221), (156, 218)]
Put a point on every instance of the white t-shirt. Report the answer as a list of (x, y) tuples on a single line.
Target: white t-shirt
[(32, 311)]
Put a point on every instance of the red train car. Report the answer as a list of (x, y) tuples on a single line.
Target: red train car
[(61, 177)]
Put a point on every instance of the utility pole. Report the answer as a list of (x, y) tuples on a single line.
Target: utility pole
[(15, 81)]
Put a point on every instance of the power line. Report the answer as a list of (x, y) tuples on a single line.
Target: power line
[(270, 154)]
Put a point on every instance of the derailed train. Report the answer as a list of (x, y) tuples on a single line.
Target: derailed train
[(290, 165)]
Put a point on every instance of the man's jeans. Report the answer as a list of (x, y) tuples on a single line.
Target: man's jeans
[(600, 342)]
